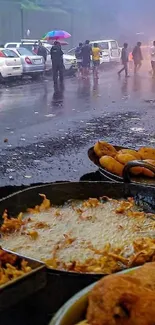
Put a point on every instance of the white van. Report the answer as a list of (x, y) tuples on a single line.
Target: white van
[(110, 50)]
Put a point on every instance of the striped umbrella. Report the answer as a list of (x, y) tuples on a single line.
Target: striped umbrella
[(56, 35)]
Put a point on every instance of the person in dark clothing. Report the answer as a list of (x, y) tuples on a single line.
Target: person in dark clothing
[(124, 58), (42, 51), (86, 58), (78, 55), (57, 62), (137, 57)]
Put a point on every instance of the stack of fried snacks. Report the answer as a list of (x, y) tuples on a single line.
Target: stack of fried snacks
[(114, 161)]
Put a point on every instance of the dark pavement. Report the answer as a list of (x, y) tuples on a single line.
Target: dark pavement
[(48, 136)]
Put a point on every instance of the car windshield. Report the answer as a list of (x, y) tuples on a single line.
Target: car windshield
[(23, 51), (104, 45), (72, 51), (9, 53)]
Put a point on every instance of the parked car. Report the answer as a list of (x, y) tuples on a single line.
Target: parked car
[(33, 65), (70, 64), (29, 46), (10, 64), (109, 48)]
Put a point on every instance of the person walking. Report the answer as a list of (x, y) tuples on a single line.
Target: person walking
[(78, 55), (124, 58), (137, 57), (86, 58), (96, 54), (42, 51), (57, 63), (152, 53)]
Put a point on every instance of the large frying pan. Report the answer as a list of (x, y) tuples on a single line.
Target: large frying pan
[(127, 177), (61, 284)]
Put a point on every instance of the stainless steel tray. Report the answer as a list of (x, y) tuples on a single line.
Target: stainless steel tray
[(15, 290)]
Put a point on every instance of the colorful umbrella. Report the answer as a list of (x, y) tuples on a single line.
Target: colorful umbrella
[(56, 35), (60, 41)]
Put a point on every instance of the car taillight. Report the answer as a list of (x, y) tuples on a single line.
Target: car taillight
[(28, 61), (2, 54)]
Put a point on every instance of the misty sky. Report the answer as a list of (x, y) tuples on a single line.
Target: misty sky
[(138, 15)]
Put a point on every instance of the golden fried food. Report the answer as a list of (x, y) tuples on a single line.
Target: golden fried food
[(147, 153), (146, 171), (112, 165), (124, 158), (12, 224), (126, 299), (103, 148), (146, 273), (130, 152), (10, 267)]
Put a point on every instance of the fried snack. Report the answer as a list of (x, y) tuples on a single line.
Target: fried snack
[(147, 153), (10, 268), (45, 205), (12, 224), (121, 299), (146, 171), (102, 148), (130, 152), (112, 165), (124, 158), (146, 273)]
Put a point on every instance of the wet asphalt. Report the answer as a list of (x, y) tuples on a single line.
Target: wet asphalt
[(45, 136)]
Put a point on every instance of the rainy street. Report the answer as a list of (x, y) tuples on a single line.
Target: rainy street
[(45, 136)]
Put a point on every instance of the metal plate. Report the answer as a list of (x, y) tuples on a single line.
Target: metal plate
[(14, 291), (114, 178)]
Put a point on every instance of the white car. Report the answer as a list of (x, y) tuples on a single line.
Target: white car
[(10, 64), (109, 48), (33, 65), (70, 64)]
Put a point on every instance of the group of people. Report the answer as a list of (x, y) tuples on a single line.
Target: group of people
[(137, 58), (83, 54)]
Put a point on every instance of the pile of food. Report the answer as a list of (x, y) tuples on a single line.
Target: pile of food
[(126, 299), (93, 236), (114, 161), (11, 267)]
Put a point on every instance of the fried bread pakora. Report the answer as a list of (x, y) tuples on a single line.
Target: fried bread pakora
[(146, 171), (112, 165), (103, 148), (126, 299), (147, 153), (124, 158), (130, 152)]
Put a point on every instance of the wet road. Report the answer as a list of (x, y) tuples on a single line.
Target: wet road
[(47, 136)]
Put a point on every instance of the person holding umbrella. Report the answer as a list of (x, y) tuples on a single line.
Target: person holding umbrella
[(57, 53), (57, 63)]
